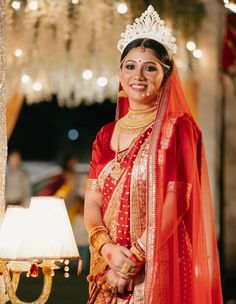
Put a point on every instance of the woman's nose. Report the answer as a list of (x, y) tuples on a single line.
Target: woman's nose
[(139, 74)]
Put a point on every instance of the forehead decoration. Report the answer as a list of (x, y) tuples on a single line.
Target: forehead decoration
[(150, 26)]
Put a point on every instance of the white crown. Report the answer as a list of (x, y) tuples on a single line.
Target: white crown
[(149, 25)]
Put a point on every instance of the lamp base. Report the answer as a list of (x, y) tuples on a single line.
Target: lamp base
[(11, 285)]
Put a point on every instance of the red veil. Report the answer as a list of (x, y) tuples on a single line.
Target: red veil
[(182, 259)]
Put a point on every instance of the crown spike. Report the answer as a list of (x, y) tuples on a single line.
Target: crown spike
[(149, 25)]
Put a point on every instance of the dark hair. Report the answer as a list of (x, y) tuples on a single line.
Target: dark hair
[(158, 49)]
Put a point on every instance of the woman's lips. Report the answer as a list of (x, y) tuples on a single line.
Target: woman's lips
[(139, 87)]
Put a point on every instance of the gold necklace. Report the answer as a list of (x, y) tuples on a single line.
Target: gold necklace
[(116, 170), (143, 111), (130, 124)]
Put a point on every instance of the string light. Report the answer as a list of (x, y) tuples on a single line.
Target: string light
[(197, 53), (25, 78), (16, 5), (37, 86), (87, 74), (18, 52), (191, 45), (122, 8), (34, 5), (102, 81)]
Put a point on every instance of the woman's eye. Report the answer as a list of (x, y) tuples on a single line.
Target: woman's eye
[(150, 68), (129, 66)]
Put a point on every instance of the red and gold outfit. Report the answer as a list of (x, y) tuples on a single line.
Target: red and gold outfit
[(164, 189)]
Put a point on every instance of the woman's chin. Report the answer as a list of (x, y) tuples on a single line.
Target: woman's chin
[(142, 98)]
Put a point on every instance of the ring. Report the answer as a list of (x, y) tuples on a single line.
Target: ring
[(125, 268), (106, 287)]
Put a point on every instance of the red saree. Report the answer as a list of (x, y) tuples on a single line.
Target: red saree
[(164, 189)]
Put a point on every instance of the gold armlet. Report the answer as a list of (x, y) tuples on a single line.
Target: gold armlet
[(92, 185), (98, 237)]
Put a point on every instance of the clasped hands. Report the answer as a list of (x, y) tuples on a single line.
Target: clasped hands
[(124, 266)]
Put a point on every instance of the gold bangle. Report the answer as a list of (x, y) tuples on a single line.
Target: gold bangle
[(96, 229), (98, 237)]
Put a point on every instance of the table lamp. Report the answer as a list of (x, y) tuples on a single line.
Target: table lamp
[(40, 236)]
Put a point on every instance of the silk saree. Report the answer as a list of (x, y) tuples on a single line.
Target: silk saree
[(164, 189)]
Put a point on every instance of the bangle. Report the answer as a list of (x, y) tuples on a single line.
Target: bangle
[(98, 237), (140, 256), (92, 185), (141, 247)]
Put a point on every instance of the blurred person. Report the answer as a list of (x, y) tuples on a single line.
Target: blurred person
[(18, 188), (65, 184)]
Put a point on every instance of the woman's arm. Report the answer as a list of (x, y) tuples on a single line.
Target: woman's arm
[(92, 209), (114, 255)]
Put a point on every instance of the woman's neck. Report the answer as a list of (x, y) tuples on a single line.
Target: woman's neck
[(135, 106)]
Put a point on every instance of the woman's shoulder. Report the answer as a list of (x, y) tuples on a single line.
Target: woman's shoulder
[(107, 127), (105, 131), (184, 120)]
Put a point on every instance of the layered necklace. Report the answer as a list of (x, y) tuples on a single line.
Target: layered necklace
[(134, 122)]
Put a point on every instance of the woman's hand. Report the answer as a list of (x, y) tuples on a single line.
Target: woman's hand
[(118, 284), (117, 257)]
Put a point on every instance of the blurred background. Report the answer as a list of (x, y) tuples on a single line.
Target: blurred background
[(62, 82)]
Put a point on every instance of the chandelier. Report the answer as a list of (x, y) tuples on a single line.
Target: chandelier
[(64, 47)]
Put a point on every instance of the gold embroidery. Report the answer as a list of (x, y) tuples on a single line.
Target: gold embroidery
[(111, 216), (161, 157), (138, 192), (181, 189), (92, 185), (165, 140), (168, 130)]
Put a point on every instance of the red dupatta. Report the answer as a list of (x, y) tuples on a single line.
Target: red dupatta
[(182, 260)]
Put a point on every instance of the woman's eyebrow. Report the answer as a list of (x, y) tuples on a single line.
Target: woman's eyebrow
[(146, 62)]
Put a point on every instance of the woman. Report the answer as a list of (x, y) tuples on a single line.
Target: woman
[(148, 208)]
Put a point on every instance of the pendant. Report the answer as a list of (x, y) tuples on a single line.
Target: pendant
[(116, 171), (34, 270)]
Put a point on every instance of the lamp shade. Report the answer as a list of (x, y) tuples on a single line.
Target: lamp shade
[(11, 231), (49, 233)]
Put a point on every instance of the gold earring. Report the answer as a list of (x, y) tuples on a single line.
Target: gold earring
[(122, 94)]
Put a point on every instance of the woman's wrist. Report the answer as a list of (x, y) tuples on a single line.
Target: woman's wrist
[(105, 249)]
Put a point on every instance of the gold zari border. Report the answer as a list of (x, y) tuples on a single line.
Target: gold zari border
[(92, 185)]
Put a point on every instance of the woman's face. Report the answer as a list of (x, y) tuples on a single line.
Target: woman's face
[(141, 76)]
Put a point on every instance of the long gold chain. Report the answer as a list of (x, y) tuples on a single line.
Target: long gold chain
[(131, 124)]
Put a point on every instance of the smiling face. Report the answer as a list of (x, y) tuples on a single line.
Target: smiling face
[(141, 77)]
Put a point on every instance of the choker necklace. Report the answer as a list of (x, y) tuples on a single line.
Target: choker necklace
[(143, 111), (133, 124)]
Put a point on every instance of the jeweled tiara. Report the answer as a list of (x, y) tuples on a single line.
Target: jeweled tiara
[(149, 25)]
